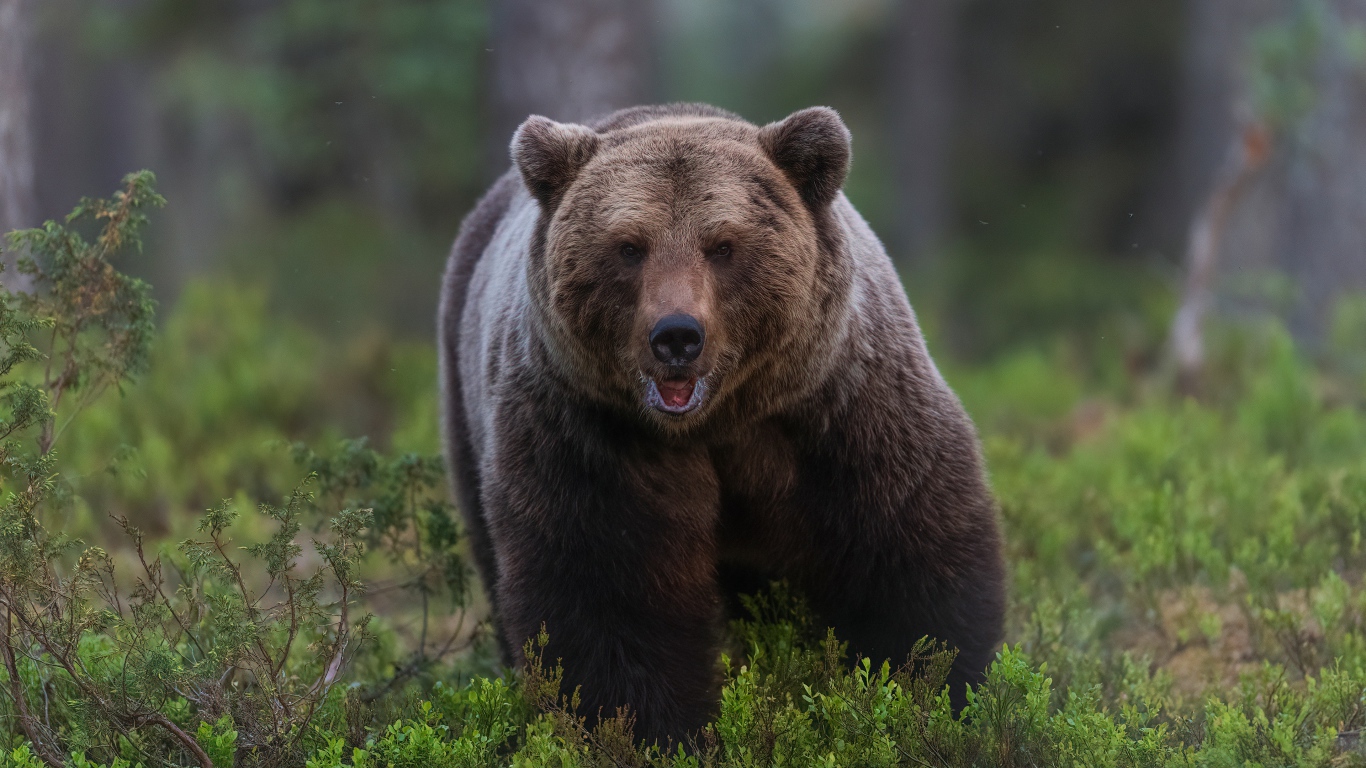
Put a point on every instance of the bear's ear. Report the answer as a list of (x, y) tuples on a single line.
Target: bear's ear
[(550, 155), (812, 148)]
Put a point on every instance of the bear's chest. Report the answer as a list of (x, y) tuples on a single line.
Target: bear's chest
[(757, 477)]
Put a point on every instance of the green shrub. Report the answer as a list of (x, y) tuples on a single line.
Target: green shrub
[(246, 642)]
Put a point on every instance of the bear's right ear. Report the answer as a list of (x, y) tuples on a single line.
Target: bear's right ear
[(550, 155), (812, 148)]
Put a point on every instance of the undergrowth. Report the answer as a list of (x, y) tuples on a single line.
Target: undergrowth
[(1187, 574)]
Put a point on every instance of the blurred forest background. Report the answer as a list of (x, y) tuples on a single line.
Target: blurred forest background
[(1031, 165), (1134, 232)]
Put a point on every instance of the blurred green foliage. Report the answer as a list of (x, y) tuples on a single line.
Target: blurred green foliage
[(400, 72), (230, 387), (324, 150), (1287, 55)]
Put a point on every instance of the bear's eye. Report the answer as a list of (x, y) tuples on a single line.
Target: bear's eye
[(722, 251), (631, 252)]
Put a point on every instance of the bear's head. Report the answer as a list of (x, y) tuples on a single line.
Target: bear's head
[(685, 258)]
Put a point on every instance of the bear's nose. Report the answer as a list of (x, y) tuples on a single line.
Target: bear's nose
[(677, 339)]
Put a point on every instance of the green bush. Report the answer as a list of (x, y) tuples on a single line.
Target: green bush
[(215, 649)]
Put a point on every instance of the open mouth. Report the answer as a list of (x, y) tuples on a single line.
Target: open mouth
[(675, 396)]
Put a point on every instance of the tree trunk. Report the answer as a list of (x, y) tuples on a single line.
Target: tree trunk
[(17, 202), (568, 60), (922, 81)]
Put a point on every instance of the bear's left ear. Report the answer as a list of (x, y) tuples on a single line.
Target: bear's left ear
[(812, 148), (550, 155)]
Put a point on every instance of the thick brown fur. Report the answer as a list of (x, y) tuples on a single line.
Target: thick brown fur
[(827, 450)]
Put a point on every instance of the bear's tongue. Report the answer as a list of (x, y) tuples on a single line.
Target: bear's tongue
[(676, 394)]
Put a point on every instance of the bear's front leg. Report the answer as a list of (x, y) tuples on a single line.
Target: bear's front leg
[(607, 539), (926, 564)]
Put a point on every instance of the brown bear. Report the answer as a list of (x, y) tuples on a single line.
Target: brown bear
[(677, 363)]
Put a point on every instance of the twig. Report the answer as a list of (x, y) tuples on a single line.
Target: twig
[(189, 742), (127, 527), (26, 720)]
